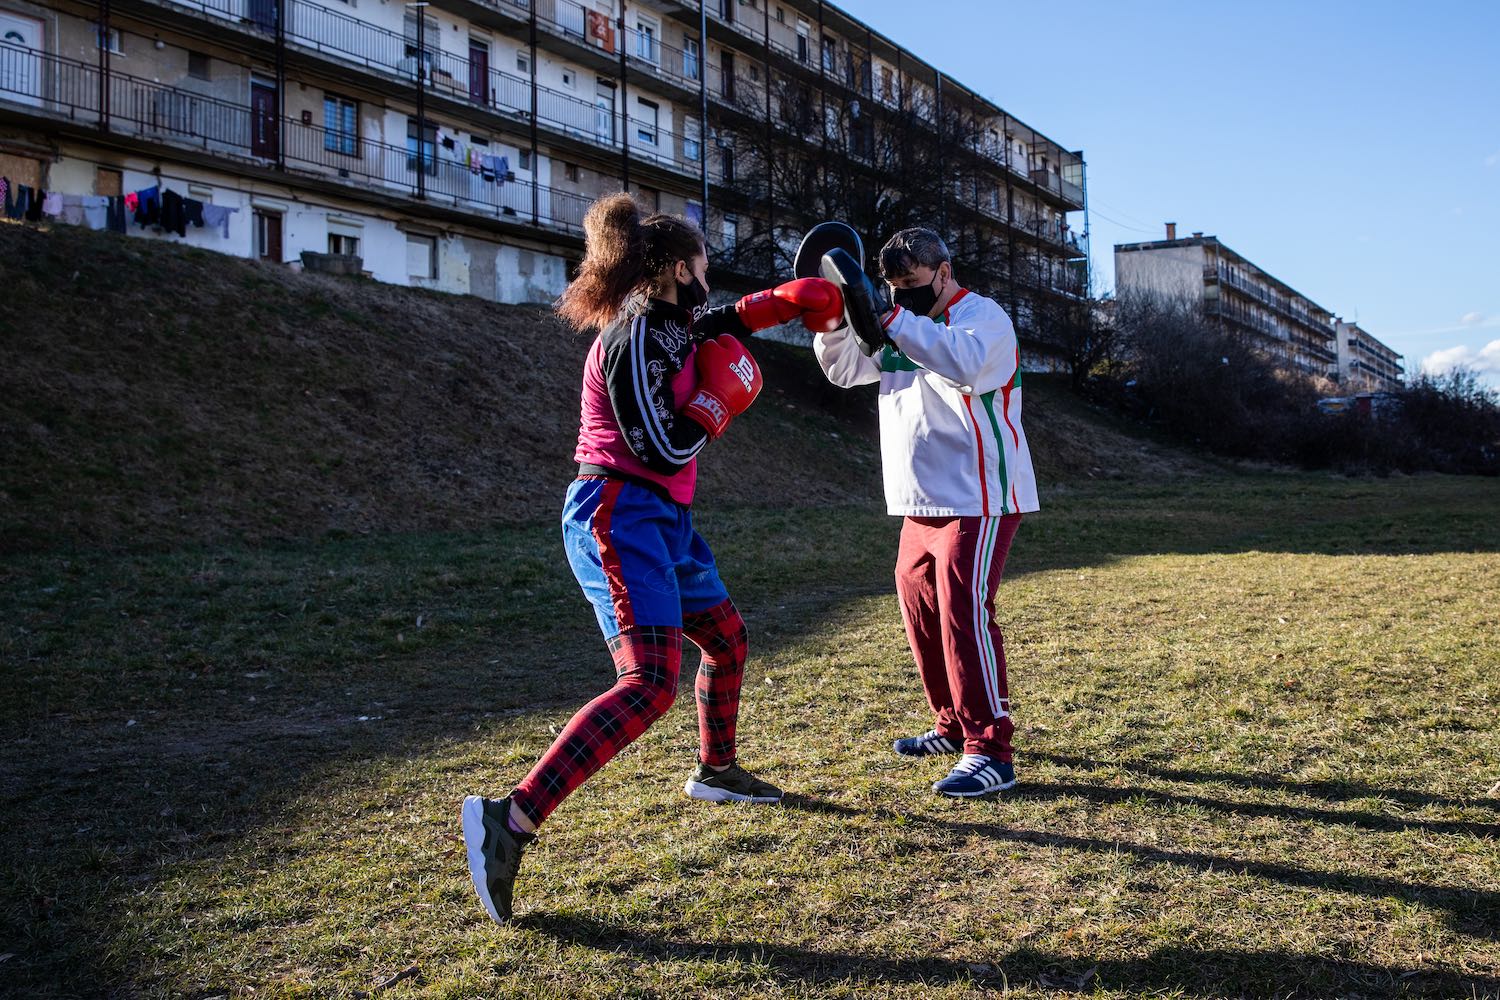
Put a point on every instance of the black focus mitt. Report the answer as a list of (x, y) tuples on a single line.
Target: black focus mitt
[(820, 239), (866, 302)]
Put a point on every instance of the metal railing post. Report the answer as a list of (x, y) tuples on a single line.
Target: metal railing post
[(422, 101), (104, 65), (281, 85), (536, 197), (703, 104), (624, 109)]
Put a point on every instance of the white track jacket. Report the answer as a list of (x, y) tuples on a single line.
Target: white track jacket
[(951, 442)]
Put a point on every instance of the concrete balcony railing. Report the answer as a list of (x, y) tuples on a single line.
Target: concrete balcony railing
[(350, 41), (58, 89)]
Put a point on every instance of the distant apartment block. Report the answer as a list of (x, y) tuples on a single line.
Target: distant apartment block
[(1238, 294), (455, 144), (1365, 364)]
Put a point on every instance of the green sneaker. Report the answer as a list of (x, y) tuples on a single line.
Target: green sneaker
[(494, 853), (734, 784)]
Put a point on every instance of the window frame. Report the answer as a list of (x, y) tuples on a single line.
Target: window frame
[(336, 138)]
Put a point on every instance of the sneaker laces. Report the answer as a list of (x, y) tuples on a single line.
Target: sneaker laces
[(971, 763)]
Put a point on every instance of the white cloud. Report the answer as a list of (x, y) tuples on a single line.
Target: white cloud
[(1485, 361), (1471, 319)]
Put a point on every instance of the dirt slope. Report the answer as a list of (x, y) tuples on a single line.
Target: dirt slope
[(152, 394)]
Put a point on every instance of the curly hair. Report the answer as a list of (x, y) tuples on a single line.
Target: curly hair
[(623, 255)]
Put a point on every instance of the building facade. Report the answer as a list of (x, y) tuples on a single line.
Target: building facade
[(1365, 364), (456, 144), (1237, 294)]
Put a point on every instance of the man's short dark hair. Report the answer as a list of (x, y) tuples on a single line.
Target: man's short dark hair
[(911, 248)]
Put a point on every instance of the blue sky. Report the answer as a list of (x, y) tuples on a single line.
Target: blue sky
[(1352, 149)]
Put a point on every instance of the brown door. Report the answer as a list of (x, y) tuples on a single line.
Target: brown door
[(479, 72), (726, 72), (268, 236), (265, 128)]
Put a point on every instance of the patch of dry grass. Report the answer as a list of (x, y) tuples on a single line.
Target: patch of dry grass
[(1257, 739)]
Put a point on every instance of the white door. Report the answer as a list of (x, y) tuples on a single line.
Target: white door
[(604, 116), (20, 64)]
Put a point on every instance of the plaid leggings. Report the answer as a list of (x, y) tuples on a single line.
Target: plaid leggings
[(648, 659)]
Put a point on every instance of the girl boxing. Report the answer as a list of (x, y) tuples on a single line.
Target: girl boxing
[(663, 378)]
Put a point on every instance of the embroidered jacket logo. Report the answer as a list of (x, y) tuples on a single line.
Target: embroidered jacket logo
[(745, 369)]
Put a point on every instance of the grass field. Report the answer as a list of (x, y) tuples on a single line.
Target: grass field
[(1258, 737)]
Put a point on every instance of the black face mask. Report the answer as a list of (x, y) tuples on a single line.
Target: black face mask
[(693, 295), (919, 300)]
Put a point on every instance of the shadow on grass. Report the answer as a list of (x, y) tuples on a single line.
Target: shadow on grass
[(1187, 971), (1328, 817), (1471, 911), (1333, 791), (95, 811)]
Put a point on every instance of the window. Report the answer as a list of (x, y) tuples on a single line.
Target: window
[(428, 29), (887, 83), (569, 78), (199, 66), (428, 148), (648, 121), (645, 40), (650, 197), (523, 160), (523, 63), (343, 244), (691, 60), (754, 73), (108, 40), (421, 256), (694, 214), (731, 232), (108, 182), (692, 146), (340, 125), (830, 53), (727, 156), (781, 15), (570, 172)]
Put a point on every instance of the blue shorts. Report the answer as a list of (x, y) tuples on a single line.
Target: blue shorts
[(636, 555)]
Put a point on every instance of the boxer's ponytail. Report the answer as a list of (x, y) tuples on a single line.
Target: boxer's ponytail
[(623, 255)]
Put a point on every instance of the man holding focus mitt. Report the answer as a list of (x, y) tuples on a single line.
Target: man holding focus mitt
[(956, 469)]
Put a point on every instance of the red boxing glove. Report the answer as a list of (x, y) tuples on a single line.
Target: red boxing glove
[(814, 299), (728, 382)]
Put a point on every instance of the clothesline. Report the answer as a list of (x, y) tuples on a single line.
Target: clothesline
[(155, 206), (490, 166)]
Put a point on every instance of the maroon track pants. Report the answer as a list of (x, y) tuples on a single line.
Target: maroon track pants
[(947, 572), (647, 661)]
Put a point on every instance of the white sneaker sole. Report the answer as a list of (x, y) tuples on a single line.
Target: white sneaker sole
[(708, 793), (973, 795), (473, 821)]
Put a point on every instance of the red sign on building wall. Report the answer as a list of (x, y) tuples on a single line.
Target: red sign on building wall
[(601, 30)]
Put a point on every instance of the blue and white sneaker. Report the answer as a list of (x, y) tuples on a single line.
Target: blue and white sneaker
[(976, 775), (929, 744)]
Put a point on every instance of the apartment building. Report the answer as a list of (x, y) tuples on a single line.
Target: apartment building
[(1235, 292), (456, 144), (1365, 364)]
